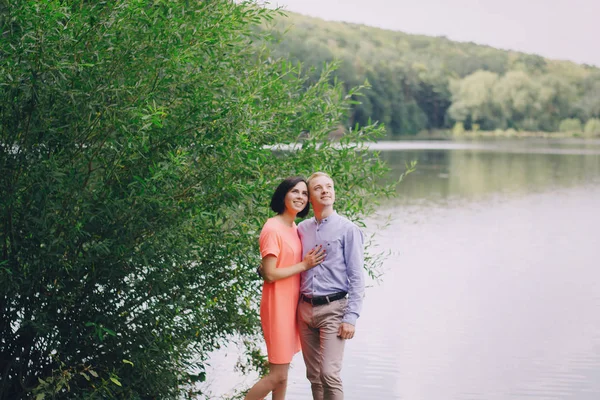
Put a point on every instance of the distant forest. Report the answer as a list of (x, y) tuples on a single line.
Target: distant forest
[(420, 83)]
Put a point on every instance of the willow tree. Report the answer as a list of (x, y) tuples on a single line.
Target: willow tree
[(136, 165)]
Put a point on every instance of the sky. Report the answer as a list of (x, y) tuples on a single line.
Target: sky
[(557, 29)]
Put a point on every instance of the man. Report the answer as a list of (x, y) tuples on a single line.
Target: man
[(331, 294)]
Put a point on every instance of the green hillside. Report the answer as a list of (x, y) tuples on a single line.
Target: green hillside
[(428, 83)]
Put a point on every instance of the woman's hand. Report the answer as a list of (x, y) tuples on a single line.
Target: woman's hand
[(314, 257), (270, 273)]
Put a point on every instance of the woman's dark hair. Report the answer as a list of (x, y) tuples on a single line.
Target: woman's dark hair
[(278, 199)]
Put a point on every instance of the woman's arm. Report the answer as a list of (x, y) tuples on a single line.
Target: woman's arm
[(270, 272)]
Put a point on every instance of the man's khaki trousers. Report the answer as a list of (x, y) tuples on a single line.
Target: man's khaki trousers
[(322, 349)]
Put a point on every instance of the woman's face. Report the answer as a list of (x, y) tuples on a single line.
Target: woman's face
[(297, 198)]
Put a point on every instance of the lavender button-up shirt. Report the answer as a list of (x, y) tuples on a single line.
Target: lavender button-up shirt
[(342, 270)]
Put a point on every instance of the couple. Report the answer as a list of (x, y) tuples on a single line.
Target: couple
[(313, 290)]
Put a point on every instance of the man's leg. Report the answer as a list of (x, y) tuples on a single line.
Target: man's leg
[(311, 348), (329, 319)]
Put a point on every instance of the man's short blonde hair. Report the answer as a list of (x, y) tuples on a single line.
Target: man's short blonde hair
[(316, 175)]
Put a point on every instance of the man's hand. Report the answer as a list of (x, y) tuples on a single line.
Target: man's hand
[(261, 272), (346, 331)]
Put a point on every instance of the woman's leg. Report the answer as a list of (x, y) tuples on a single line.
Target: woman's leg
[(275, 381), (281, 387)]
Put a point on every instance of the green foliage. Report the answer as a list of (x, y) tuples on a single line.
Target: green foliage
[(516, 95), (458, 129), (592, 127), (588, 106), (136, 165), (59, 382), (473, 98), (517, 100), (389, 104), (570, 125), (425, 83)]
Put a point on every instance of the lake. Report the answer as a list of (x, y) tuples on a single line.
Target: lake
[(492, 287)]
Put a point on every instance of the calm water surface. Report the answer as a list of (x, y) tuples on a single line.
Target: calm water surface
[(492, 288)]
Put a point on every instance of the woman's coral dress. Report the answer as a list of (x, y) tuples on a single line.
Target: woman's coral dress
[(280, 298)]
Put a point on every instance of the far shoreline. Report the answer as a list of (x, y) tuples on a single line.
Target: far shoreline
[(497, 134)]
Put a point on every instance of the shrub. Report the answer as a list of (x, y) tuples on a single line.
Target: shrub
[(135, 172), (458, 129), (592, 127), (570, 125)]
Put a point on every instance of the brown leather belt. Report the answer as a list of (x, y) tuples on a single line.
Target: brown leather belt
[(320, 300)]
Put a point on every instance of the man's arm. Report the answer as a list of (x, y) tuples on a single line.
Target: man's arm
[(354, 257)]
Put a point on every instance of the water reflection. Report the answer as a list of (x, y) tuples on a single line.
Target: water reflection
[(474, 174)]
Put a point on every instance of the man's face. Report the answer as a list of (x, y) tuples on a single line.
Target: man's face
[(321, 192)]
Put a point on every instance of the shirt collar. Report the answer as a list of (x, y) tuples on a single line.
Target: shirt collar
[(329, 218)]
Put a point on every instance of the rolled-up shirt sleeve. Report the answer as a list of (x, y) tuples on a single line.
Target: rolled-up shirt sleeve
[(354, 257)]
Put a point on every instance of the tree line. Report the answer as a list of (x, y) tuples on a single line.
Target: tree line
[(429, 83)]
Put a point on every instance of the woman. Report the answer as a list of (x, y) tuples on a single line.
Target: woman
[(281, 252)]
